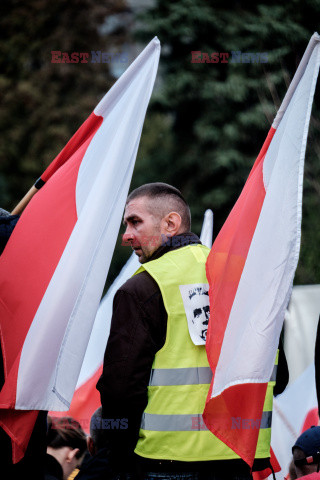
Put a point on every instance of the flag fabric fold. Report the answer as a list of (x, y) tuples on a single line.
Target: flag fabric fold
[(251, 267), (54, 267)]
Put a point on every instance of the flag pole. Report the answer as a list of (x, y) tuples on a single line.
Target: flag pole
[(18, 209)]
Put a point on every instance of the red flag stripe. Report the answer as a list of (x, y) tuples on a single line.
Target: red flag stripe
[(18, 425), (19, 251), (82, 135), (85, 401), (227, 268)]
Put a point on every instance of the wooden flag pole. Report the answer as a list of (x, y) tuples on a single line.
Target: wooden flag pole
[(24, 202), (26, 199)]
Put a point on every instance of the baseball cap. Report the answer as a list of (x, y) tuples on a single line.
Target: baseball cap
[(309, 443)]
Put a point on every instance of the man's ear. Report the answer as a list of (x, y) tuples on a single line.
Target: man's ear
[(171, 224), (73, 452)]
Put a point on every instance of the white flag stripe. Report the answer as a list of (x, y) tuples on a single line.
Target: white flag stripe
[(107, 102), (110, 139), (62, 325), (207, 229), (258, 310), (296, 79), (100, 332)]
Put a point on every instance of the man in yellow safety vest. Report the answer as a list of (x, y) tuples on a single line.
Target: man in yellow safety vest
[(156, 374)]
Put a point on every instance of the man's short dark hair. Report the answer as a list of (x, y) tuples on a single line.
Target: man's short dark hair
[(172, 200)]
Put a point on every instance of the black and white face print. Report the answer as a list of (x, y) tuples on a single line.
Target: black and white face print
[(196, 304)]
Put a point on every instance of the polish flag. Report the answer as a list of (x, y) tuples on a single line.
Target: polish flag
[(251, 267), (86, 398), (54, 267)]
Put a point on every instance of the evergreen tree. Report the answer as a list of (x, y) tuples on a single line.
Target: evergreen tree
[(44, 103), (210, 119)]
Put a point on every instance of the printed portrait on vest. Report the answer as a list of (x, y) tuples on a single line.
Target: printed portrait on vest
[(196, 304)]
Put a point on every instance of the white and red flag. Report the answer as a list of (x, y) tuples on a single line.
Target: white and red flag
[(54, 267), (251, 267)]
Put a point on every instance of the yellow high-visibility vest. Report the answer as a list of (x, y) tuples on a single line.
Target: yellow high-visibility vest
[(172, 427)]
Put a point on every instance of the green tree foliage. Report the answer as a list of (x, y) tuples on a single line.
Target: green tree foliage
[(43, 103), (209, 120)]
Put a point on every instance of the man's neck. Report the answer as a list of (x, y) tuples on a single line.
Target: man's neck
[(175, 242)]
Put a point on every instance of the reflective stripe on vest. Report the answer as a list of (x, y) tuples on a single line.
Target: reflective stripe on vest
[(274, 373), (187, 423), (187, 376), (180, 376)]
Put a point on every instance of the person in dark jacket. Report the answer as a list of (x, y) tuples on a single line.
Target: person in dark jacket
[(33, 460), (139, 330), (7, 224), (97, 466)]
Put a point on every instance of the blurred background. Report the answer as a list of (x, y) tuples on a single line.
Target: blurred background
[(206, 121)]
